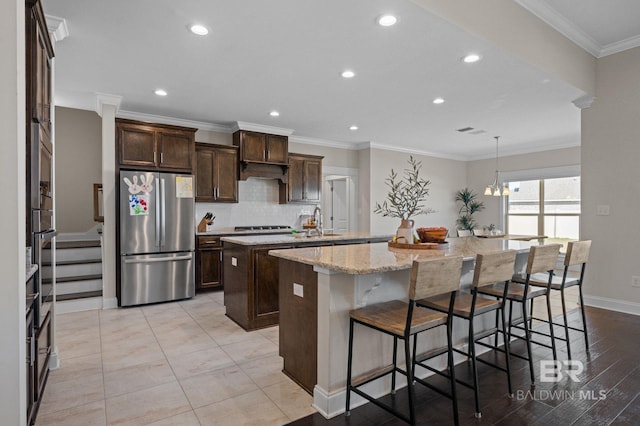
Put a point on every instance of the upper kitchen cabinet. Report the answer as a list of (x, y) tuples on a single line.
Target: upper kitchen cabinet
[(39, 55), (305, 180), (262, 155), (216, 173), (161, 147)]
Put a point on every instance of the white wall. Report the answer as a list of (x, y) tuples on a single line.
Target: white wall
[(480, 173), (611, 176), (446, 176), (78, 166), (12, 225)]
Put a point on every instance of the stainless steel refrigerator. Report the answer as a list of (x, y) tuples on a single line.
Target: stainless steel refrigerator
[(157, 238)]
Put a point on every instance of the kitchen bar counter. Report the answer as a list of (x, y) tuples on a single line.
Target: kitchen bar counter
[(319, 286), (254, 240)]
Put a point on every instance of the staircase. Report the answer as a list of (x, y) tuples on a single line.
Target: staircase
[(78, 275)]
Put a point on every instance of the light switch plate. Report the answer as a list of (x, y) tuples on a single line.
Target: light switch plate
[(602, 210), (234, 261), (635, 281), (298, 290)]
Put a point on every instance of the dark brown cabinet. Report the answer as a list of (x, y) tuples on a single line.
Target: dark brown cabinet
[(216, 173), (149, 146), (262, 147), (305, 180), (208, 263), (266, 274)]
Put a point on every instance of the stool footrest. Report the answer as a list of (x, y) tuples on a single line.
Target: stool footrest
[(431, 354), (372, 375)]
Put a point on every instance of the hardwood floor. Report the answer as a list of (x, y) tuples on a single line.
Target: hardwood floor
[(608, 391)]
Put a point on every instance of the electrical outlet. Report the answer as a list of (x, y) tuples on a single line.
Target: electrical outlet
[(234, 261), (635, 281), (298, 290), (602, 210)]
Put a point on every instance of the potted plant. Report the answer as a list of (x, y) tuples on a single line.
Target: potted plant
[(406, 198), (470, 206)]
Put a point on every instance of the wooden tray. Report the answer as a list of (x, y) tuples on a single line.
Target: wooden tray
[(419, 246)]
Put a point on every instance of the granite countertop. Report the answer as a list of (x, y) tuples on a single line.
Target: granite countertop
[(289, 238), (30, 270), (376, 258), (232, 232)]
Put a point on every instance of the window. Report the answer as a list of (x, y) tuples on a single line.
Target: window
[(548, 207)]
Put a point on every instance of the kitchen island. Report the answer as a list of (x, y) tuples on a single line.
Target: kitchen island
[(318, 288), (251, 275)]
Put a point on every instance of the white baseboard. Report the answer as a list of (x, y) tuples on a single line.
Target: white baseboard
[(54, 360), (109, 303), (78, 305), (612, 304)]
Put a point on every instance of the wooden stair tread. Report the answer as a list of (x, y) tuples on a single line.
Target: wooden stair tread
[(75, 278), (77, 244), (83, 295)]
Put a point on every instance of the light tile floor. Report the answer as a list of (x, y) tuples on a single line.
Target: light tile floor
[(181, 363)]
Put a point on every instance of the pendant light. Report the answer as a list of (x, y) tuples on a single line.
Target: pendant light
[(496, 188)]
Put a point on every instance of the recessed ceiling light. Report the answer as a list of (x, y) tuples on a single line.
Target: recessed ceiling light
[(348, 74), (274, 114), (438, 101), (198, 29), (353, 128), (471, 58), (160, 92), (387, 20)]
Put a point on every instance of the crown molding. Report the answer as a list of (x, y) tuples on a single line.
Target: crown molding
[(161, 119), (57, 27), (324, 142), (620, 46), (551, 146), (107, 99), (373, 145), (243, 125), (561, 24)]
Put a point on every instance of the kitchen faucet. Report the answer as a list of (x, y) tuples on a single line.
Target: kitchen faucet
[(318, 220)]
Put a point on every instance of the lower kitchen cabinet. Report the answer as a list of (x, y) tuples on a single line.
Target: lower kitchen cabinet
[(208, 263)]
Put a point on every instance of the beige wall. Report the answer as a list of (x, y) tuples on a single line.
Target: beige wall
[(446, 176), (207, 136), (333, 157), (78, 166), (611, 176), (482, 172)]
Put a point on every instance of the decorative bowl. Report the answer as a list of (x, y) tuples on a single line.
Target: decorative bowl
[(299, 235), (432, 234)]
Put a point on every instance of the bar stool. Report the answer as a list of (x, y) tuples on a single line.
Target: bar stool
[(430, 277), (542, 259), (490, 268), (577, 255)]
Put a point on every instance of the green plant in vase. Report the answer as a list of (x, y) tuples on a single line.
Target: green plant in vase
[(470, 206), (406, 198)]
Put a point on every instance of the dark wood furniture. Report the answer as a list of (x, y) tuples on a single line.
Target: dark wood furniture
[(147, 146), (305, 180), (216, 173), (262, 155), (208, 262)]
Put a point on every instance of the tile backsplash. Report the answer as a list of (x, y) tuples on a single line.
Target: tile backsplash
[(258, 205)]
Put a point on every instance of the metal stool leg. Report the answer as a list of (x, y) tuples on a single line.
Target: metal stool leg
[(347, 411), (528, 340), (395, 365), (506, 350), (410, 386), (584, 318), (566, 324), (551, 332), (452, 372), (472, 351)]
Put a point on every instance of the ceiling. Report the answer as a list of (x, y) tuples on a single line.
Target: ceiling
[(288, 55)]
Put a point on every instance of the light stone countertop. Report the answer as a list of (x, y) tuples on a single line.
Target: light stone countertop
[(375, 258), (289, 238), (233, 232)]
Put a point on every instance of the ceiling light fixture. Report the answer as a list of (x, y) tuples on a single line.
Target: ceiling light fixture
[(353, 128), (438, 101), (471, 58), (274, 114), (200, 30), (496, 188), (348, 74), (160, 92), (387, 20)]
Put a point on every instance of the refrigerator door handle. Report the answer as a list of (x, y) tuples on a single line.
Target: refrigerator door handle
[(163, 212), (159, 259), (157, 216)]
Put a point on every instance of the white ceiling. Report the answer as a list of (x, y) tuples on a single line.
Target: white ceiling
[(287, 55)]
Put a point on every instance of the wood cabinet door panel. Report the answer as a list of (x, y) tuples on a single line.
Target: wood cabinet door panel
[(226, 175), (277, 149), (137, 146), (266, 283), (312, 180), (296, 181), (204, 175), (255, 146), (176, 150), (209, 268)]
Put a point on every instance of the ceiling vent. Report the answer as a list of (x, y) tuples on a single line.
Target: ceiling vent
[(465, 129)]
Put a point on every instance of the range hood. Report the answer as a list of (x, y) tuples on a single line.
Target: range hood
[(263, 151)]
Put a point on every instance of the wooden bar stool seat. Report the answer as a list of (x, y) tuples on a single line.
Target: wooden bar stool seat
[(490, 268), (403, 320), (515, 291)]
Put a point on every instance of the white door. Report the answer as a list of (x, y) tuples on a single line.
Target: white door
[(339, 206)]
